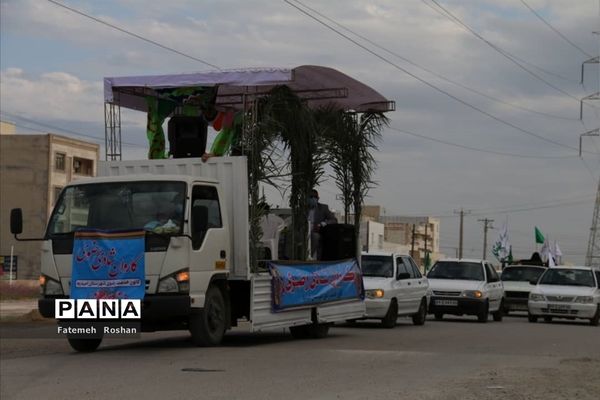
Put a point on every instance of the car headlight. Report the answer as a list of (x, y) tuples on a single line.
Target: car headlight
[(374, 293), (50, 287), (179, 282), (537, 297), (472, 294), (584, 299)]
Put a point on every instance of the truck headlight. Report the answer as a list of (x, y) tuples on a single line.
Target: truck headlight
[(50, 287), (584, 299), (374, 293), (472, 294), (179, 282), (536, 297)]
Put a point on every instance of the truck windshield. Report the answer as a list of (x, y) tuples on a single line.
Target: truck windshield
[(469, 271), (382, 266), (567, 277), (152, 205), (521, 274)]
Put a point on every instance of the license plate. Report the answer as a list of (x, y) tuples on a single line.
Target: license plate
[(560, 306), (446, 302), (519, 307)]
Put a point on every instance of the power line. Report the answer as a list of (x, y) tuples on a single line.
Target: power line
[(478, 149), (162, 46), (499, 50), (438, 75), (498, 119), (566, 39)]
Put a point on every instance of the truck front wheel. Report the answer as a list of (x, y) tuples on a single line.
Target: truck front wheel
[(208, 325), (84, 345)]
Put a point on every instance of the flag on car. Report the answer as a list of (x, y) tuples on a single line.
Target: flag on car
[(539, 237), (546, 253), (556, 252), (501, 248)]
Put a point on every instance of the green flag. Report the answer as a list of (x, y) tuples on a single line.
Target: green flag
[(539, 237)]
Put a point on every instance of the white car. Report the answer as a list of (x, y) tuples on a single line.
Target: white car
[(515, 279), (465, 287), (566, 292), (394, 287)]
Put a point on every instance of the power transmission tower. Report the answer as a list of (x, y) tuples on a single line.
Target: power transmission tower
[(460, 237), (593, 251), (487, 224), (592, 256)]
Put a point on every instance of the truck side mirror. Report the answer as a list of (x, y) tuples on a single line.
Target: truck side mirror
[(533, 281), (16, 221)]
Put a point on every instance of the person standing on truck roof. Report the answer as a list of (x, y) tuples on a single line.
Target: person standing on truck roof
[(319, 216)]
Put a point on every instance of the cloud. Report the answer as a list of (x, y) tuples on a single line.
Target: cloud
[(52, 95)]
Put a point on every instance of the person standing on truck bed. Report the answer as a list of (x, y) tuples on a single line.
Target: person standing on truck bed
[(319, 216)]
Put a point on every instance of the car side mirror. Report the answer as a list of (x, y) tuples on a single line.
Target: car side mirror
[(16, 221), (403, 275), (533, 281)]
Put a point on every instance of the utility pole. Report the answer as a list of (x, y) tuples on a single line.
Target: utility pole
[(460, 237), (412, 246), (425, 260), (487, 224)]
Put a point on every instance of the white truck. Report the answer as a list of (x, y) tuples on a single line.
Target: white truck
[(197, 263)]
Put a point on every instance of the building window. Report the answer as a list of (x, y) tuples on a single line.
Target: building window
[(83, 166), (56, 193), (59, 161)]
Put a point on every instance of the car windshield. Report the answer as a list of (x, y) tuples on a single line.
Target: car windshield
[(469, 271), (154, 206), (567, 277), (382, 266), (521, 274)]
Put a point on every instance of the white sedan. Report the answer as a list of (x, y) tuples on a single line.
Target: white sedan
[(394, 287), (566, 292)]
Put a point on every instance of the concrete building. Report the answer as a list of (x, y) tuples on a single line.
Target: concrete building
[(398, 232), (33, 171)]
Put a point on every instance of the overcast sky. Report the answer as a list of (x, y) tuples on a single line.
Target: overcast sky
[(53, 61)]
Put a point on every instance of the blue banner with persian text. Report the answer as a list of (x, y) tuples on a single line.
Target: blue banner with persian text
[(108, 265), (310, 283)]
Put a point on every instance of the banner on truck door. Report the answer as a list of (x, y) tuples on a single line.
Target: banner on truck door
[(108, 265), (305, 284)]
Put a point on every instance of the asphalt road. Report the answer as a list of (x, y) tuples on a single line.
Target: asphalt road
[(451, 359)]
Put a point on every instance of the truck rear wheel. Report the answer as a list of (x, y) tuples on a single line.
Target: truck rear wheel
[(209, 324), (84, 345)]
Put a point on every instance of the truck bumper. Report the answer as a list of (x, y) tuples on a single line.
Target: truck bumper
[(155, 307)]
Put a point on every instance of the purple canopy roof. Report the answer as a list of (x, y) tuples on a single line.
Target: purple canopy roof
[(318, 85)]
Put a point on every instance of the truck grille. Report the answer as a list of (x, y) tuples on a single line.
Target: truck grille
[(517, 295), (445, 293), (563, 299)]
